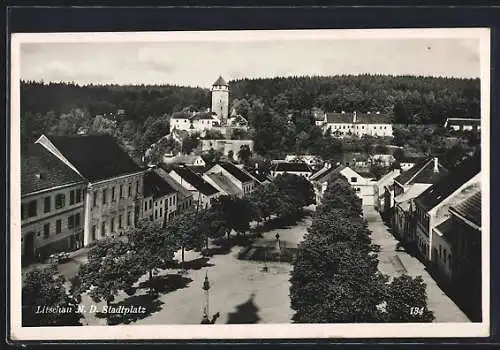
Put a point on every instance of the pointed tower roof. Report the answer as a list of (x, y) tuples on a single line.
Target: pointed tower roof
[(220, 82)]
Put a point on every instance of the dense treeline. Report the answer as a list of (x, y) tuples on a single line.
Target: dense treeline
[(413, 100), (139, 101), (335, 278)]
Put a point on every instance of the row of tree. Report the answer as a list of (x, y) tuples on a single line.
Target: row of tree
[(411, 99), (335, 277), (116, 264)]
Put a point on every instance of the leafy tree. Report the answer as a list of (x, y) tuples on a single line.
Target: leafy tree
[(335, 277), (45, 288), (184, 232), (230, 154), (151, 246), (233, 213), (244, 153), (190, 143), (213, 135), (112, 266), (406, 301)]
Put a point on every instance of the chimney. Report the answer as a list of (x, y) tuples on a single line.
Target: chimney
[(436, 169), (354, 117)]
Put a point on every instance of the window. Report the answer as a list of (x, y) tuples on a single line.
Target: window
[(46, 204), (156, 214), (129, 219), (137, 187), (58, 226), (145, 206), (120, 219), (93, 232), (130, 190), (71, 222), (104, 196), (60, 201), (71, 197), (95, 200), (113, 194), (103, 228), (32, 209), (161, 212), (121, 191), (354, 179), (77, 220), (112, 225), (79, 195), (46, 230)]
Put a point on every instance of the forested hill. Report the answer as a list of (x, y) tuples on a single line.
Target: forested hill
[(139, 101), (413, 100)]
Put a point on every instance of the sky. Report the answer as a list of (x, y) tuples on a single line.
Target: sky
[(199, 63)]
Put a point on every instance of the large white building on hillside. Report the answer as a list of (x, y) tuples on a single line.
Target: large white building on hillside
[(357, 124)]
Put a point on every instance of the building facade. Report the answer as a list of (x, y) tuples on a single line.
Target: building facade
[(114, 193), (52, 211), (160, 199), (238, 177), (358, 124)]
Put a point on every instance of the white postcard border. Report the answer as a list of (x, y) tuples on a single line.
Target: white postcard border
[(251, 331)]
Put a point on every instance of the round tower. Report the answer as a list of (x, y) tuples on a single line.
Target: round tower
[(220, 99)]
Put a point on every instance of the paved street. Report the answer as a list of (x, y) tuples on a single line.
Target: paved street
[(239, 290), (395, 263)]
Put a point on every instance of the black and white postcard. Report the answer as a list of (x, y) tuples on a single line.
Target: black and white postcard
[(250, 184)]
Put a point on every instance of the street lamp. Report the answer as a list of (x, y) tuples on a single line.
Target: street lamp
[(206, 287)]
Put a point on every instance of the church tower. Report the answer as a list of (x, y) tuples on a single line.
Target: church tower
[(220, 99)]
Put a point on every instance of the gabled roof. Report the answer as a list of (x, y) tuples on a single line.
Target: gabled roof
[(220, 82), (238, 173), (327, 172), (195, 180), (259, 176), (448, 184), (182, 193), (422, 172), (96, 157), (361, 118), (225, 184), (292, 167), (463, 121), (156, 186), (203, 116), (41, 170), (470, 208)]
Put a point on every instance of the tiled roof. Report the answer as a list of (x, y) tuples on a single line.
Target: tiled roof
[(422, 172), (96, 157), (41, 170), (195, 180), (448, 184), (292, 167), (361, 118), (181, 191), (470, 208), (198, 169), (203, 116), (260, 177), (225, 183), (238, 173), (324, 173), (446, 227), (156, 186), (334, 117), (220, 82), (463, 121), (182, 116), (414, 191)]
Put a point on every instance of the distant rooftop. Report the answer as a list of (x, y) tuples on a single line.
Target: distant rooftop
[(470, 208), (292, 167), (195, 180), (361, 118), (220, 82)]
